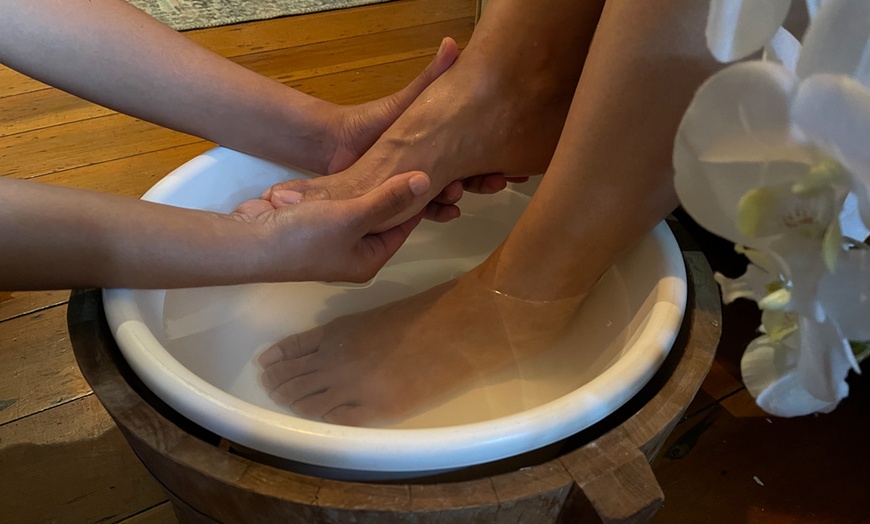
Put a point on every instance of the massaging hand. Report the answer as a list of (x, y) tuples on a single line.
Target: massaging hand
[(113, 241), (357, 181), (332, 240), (357, 127)]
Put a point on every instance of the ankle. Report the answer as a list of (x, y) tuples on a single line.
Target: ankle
[(531, 280)]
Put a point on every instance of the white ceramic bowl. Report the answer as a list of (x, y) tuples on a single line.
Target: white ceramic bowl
[(196, 348)]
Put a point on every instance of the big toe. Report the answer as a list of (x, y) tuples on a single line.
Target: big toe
[(292, 347)]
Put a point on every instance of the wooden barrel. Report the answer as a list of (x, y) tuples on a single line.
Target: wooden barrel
[(599, 475)]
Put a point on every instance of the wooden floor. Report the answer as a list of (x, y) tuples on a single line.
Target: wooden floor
[(63, 460)]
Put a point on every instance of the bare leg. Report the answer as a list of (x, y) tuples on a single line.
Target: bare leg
[(609, 182)]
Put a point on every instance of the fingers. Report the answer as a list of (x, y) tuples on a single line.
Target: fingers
[(387, 204), (329, 187), (382, 246), (397, 196), (343, 240), (443, 207), (253, 208), (482, 184), (485, 184), (437, 212), (299, 185), (284, 197), (451, 193)]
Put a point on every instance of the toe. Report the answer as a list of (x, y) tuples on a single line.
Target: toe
[(284, 371), (301, 388), (292, 347), (270, 357), (348, 414)]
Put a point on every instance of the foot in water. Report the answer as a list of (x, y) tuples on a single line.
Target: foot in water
[(378, 366)]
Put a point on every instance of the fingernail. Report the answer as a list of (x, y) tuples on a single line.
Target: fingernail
[(271, 356), (285, 196), (419, 184), (441, 47)]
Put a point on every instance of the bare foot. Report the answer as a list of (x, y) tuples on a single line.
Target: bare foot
[(377, 366), (469, 123), (360, 126)]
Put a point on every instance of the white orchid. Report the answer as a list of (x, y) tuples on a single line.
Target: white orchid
[(775, 155), (739, 28)]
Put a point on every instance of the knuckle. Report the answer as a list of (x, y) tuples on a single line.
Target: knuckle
[(338, 190), (395, 199)]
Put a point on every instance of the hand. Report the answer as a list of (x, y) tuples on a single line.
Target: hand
[(333, 240), (358, 127), (480, 184), (442, 208)]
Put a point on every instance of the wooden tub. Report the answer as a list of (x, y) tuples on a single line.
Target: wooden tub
[(599, 475)]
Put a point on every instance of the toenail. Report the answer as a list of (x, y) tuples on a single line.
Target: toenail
[(271, 356)]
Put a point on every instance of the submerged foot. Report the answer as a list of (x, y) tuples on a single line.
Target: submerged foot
[(374, 367)]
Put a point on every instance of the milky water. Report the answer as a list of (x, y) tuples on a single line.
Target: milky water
[(218, 332)]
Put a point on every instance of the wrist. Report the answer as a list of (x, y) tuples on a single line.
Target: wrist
[(303, 132), (248, 250), (183, 248)]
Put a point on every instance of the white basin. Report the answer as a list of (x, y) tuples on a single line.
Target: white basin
[(197, 348)]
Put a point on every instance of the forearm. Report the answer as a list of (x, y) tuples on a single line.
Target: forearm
[(111, 53), (59, 238)]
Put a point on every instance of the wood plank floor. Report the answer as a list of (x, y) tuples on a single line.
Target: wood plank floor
[(63, 460)]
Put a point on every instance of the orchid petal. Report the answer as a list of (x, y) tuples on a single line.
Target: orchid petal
[(744, 106), (768, 370), (778, 325), (712, 197), (754, 284), (779, 300), (834, 112), (758, 211), (740, 117), (850, 220), (802, 269), (738, 28), (838, 41), (813, 7), (824, 175), (776, 210), (783, 48), (766, 260), (845, 294), (825, 360), (786, 398), (832, 245), (862, 196)]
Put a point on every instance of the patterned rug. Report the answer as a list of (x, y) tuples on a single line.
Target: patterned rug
[(197, 14)]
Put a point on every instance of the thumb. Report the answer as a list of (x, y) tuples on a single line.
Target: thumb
[(399, 196)]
